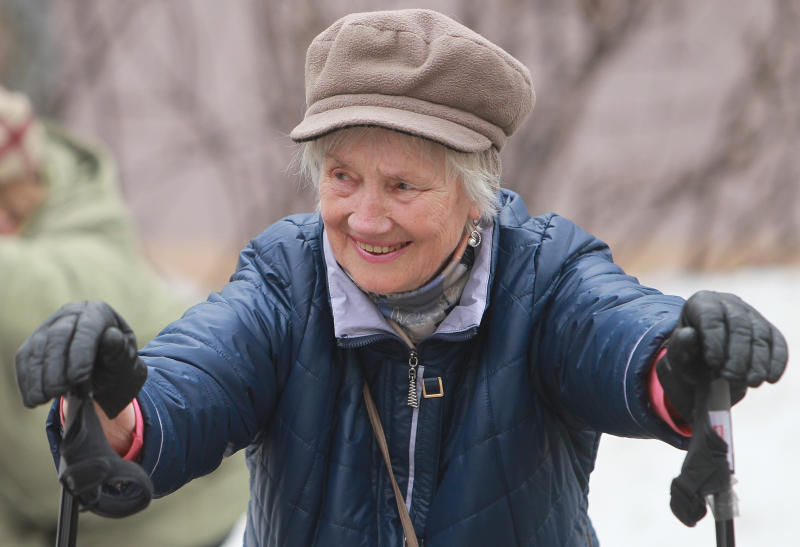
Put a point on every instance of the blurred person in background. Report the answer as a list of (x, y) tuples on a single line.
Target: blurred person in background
[(65, 234), (420, 358)]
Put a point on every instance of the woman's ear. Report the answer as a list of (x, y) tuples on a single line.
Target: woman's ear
[(474, 212)]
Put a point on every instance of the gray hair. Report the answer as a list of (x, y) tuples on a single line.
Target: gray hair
[(479, 172)]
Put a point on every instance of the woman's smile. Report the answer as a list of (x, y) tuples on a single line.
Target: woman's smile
[(378, 254)]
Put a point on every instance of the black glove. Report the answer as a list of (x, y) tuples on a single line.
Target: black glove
[(718, 334), (82, 341)]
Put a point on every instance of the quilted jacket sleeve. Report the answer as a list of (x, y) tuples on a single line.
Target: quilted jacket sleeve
[(599, 331), (214, 375)]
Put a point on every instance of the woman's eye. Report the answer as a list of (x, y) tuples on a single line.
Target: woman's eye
[(340, 175), (404, 186)]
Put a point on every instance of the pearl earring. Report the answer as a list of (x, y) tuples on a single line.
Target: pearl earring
[(475, 235)]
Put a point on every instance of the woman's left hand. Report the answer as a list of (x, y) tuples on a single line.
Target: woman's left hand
[(719, 335)]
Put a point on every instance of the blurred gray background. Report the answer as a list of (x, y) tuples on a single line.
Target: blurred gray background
[(668, 129)]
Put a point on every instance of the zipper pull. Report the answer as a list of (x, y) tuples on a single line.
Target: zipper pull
[(413, 363)]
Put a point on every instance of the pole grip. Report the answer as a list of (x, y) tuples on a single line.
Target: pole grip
[(724, 505), (98, 478), (719, 413)]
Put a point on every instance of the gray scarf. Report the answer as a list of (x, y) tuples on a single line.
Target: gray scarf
[(420, 311)]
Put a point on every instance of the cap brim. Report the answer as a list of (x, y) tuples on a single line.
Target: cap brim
[(448, 133)]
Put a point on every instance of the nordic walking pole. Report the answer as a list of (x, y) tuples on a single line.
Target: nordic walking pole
[(706, 473), (92, 475), (723, 503), (67, 531)]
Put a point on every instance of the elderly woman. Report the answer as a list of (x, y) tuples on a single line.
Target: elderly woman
[(420, 358)]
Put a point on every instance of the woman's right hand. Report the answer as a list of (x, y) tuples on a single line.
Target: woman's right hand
[(119, 431), (81, 341)]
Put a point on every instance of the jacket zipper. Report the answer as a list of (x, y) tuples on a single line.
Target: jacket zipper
[(415, 371), (413, 363)]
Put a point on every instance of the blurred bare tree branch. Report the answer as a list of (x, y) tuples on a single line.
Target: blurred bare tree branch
[(669, 129), (27, 49), (607, 26), (756, 138)]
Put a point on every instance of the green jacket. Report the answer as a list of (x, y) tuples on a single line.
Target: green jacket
[(80, 245)]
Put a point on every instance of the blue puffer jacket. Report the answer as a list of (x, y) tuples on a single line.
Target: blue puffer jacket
[(560, 355)]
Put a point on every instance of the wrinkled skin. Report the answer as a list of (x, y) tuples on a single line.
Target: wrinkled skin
[(392, 216)]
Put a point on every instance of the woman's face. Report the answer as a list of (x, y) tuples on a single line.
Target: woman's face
[(392, 216)]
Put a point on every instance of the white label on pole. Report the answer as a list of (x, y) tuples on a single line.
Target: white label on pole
[(721, 424)]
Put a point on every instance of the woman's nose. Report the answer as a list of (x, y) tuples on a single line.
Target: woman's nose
[(370, 214)]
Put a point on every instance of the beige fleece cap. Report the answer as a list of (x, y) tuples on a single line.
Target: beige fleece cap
[(21, 137), (415, 71)]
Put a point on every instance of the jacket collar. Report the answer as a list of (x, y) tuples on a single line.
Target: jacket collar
[(355, 316)]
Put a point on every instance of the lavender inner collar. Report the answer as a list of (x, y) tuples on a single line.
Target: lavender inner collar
[(428, 310)]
